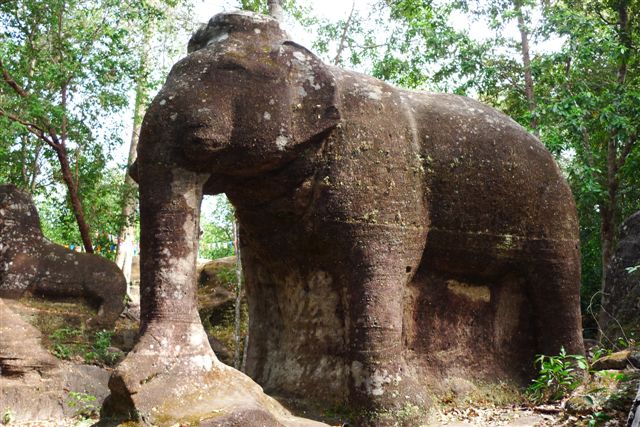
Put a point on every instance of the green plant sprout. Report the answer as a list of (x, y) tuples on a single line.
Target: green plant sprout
[(557, 376)]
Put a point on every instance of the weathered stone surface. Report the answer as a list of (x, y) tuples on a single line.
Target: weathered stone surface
[(20, 348), (30, 264), (221, 350), (579, 405), (621, 298), (617, 360), (33, 384), (390, 239), (215, 291), (216, 304)]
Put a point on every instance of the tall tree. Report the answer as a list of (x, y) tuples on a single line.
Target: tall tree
[(126, 235), (592, 112), (526, 64), (64, 65)]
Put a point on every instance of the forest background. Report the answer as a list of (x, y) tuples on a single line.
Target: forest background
[(77, 75)]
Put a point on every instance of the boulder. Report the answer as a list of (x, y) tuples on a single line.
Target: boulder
[(32, 265), (216, 304), (617, 360), (620, 314), (220, 349), (20, 350), (217, 272), (216, 286)]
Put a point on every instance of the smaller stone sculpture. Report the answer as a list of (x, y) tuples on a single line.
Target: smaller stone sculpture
[(30, 264), (621, 300)]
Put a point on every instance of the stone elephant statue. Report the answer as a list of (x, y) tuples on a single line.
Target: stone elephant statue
[(32, 265), (391, 240)]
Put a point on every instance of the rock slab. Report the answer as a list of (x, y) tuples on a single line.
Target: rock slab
[(34, 385)]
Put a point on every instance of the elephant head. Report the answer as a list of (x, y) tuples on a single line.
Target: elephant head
[(241, 102)]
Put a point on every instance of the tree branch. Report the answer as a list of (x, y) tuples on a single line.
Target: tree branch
[(587, 151), (11, 82), (626, 150), (605, 20), (31, 127), (63, 103), (343, 37)]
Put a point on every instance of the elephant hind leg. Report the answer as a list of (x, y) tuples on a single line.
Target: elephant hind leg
[(554, 290)]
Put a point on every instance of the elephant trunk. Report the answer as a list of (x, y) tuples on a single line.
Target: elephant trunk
[(169, 245)]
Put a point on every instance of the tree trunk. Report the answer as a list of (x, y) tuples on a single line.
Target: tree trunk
[(608, 210), (76, 205), (124, 253), (526, 62), (35, 169), (609, 213)]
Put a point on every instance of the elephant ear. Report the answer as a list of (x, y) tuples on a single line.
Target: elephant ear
[(313, 93)]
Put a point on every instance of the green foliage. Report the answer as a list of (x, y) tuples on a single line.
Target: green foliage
[(99, 351), (228, 277), (597, 418), (215, 242), (68, 68), (73, 343), (557, 376), (292, 8), (65, 342), (85, 404), (217, 236), (102, 192)]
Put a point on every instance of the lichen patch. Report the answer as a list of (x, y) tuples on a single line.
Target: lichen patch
[(473, 292), (281, 142)]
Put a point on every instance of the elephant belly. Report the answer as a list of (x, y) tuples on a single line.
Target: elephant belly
[(297, 329), (469, 329)]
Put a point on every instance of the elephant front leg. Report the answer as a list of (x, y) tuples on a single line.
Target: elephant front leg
[(173, 346), (554, 288), (172, 376), (382, 387)]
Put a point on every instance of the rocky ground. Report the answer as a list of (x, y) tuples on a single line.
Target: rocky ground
[(59, 369)]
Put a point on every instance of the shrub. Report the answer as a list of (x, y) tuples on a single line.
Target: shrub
[(557, 376)]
